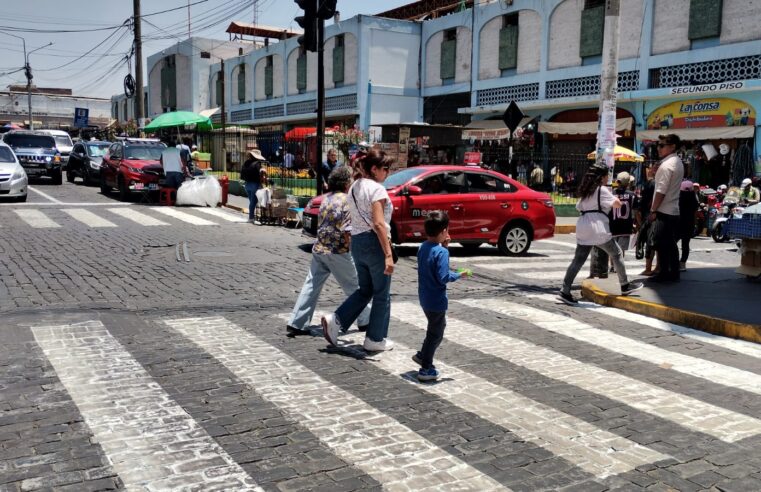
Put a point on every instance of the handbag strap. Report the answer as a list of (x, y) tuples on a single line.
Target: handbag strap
[(357, 206)]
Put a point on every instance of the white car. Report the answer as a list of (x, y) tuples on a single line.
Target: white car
[(63, 143), (13, 180)]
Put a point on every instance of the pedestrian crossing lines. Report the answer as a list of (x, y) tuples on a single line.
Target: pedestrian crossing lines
[(687, 412), (133, 419), (109, 217), (155, 441), (357, 432)]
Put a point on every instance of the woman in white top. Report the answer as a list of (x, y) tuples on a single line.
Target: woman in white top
[(592, 229), (370, 209)]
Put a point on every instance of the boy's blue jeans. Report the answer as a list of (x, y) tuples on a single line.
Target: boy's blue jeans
[(437, 321), (251, 189), (373, 284)]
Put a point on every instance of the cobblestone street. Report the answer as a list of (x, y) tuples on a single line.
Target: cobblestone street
[(144, 348)]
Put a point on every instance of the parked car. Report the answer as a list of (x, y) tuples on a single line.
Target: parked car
[(484, 206), (85, 161), (63, 144), (132, 165), (36, 152), (13, 180)]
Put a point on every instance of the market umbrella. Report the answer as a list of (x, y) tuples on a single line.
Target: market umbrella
[(299, 133), (621, 154), (178, 119)]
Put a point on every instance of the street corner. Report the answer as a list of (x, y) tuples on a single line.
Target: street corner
[(593, 291)]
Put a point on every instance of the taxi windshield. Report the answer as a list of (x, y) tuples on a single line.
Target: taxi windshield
[(401, 177), (143, 152), (97, 150)]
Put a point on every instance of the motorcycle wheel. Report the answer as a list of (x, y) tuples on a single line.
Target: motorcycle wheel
[(717, 233)]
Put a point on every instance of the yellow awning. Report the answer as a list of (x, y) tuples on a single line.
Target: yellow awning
[(581, 128), (621, 154)]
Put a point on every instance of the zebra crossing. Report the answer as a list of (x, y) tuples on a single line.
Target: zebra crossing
[(115, 217), (154, 441)]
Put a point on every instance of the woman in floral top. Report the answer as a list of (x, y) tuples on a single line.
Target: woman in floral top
[(330, 255)]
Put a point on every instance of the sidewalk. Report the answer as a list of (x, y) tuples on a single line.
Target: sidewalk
[(716, 300), (565, 225), (238, 203)]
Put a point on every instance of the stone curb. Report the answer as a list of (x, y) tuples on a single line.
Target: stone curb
[(565, 229), (237, 208), (691, 319)]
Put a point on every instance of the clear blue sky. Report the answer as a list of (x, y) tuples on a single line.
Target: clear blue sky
[(96, 74)]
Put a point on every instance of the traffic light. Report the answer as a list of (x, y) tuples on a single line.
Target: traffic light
[(327, 9), (308, 22)]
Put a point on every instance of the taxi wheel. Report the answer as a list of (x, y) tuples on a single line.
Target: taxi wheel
[(123, 190), (514, 240)]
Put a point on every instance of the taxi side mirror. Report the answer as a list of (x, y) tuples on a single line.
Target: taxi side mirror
[(414, 190)]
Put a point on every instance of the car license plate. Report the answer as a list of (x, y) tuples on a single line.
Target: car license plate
[(139, 186), (307, 222), (153, 186)]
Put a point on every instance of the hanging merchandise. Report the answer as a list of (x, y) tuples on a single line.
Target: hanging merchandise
[(742, 167)]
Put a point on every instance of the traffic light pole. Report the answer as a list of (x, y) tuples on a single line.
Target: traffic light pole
[(139, 102), (320, 101)]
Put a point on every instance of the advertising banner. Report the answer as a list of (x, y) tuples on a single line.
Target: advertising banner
[(702, 113)]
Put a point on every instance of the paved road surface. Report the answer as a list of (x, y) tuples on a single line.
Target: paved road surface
[(123, 367)]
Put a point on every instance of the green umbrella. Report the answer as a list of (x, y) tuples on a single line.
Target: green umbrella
[(178, 119)]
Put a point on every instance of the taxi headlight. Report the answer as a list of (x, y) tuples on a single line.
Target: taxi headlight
[(135, 170)]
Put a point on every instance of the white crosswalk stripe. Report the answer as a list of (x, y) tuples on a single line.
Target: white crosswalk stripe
[(88, 218), (592, 449), (138, 217), (680, 409), (567, 326), (355, 431), (740, 346), (36, 219), (135, 421), (230, 217), (183, 216)]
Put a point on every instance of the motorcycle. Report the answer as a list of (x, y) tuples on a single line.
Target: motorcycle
[(729, 210)]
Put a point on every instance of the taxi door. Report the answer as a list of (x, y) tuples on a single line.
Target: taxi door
[(487, 205), (440, 191)]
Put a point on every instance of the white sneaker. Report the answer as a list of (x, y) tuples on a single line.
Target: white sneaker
[(330, 328), (373, 346)]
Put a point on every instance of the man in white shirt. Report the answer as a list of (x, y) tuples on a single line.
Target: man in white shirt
[(665, 209), (288, 160), (174, 169)]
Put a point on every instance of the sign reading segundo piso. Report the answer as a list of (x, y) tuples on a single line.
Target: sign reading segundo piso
[(702, 113), (719, 86)]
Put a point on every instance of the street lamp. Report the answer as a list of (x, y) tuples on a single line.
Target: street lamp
[(28, 73)]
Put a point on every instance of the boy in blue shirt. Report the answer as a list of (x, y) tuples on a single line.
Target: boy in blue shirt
[(433, 276)]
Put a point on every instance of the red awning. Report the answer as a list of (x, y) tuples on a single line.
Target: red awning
[(300, 133)]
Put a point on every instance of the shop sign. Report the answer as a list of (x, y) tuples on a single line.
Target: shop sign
[(698, 89), (472, 158), (702, 113)]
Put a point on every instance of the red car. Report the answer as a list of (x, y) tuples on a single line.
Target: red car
[(132, 165), (484, 207)]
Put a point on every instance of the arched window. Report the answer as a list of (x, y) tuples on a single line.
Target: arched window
[(241, 83), (218, 89)]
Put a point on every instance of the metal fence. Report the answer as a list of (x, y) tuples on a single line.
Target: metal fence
[(291, 162)]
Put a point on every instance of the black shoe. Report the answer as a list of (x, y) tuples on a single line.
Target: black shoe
[(292, 331), (362, 328), (568, 299), (417, 359), (631, 287)]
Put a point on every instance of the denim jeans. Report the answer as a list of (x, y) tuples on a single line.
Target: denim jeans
[(342, 268), (173, 179), (251, 189), (437, 321), (666, 233), (581, 255), (373, 284)]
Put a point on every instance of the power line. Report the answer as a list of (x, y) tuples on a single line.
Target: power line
[(124, 24), (172, 10), (56, 31)]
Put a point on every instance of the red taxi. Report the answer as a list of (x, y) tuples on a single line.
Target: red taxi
[(483, 206)]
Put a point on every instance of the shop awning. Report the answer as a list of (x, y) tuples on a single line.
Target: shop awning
[(581, 128), (490, 129), (700, 133), (209, 112)]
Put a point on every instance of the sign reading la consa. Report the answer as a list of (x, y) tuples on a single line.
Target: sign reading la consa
[(702, 113), (697, 89)]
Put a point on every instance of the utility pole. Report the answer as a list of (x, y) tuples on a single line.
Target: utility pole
[(188, 19), (224, 115), (139, 103), (320, 101), (606, 127)]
